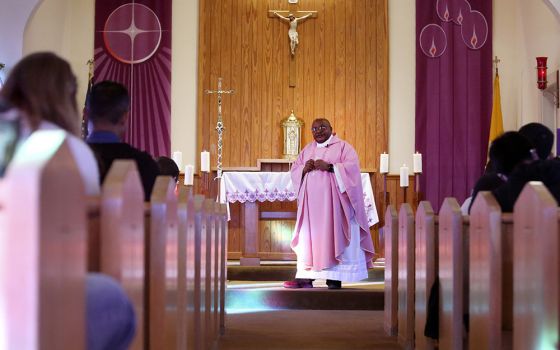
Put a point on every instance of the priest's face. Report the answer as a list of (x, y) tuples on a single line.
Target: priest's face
[(321, 129)]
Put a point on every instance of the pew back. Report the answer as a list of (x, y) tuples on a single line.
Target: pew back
[(390, 232), (453, 275), (162, 263), (406, 277), (535, 271), (122, 235), (42, 247), (426, 271)]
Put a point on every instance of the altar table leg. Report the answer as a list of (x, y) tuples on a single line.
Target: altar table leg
[(251, 244)]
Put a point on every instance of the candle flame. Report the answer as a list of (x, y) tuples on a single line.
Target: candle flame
[(433, 49)]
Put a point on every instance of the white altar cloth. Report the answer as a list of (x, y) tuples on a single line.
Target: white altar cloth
[(277, 186)]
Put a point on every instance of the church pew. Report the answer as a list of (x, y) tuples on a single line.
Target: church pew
[(122, 236), (535, 269), (223, 269), (184, 199), (42, 247), (196, 241), (406, 273), (216, 271), (490, 281), (209, 236), (426, 268), (453, 274), (390, 231), (161, 264)]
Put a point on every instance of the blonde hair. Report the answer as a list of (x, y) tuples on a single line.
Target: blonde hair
[(43, 86)]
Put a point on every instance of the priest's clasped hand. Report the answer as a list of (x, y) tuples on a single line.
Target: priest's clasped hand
[(322, 165), (309, 166)]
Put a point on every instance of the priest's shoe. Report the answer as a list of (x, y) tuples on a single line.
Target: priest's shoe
[(299, 283), (334, 284)]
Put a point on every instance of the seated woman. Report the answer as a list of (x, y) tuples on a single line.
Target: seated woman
[(43, 88)]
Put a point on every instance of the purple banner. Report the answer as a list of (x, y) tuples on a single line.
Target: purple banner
[(453, 94), (133, 47)]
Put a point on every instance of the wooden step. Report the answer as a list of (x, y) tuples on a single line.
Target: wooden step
[(241, 297)]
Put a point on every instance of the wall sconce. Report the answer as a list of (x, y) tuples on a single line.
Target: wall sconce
[(541, 72)]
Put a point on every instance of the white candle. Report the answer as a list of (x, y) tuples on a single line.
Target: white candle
[(189, 175), (178, 158), (417, 162), (205, 161), (384, 163), (404, 176)]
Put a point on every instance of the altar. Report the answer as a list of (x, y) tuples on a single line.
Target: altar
[(252, 188)]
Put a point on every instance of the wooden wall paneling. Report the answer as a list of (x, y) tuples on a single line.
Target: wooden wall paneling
[(330, 62), (258, 17), (340, 59), (382, 67), (360, 86), (265, 236), (245, 86), (215, 73), (319, 49), (267, 97), (277, 80), (203, 61), (350, 74), (233, 132), (371, 86), (226, 57)]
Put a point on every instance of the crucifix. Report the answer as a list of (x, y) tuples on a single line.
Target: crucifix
[(496, 62), (220, 124), (293, 21)]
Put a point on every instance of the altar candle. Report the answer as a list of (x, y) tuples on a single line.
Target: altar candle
[(205, 161), (404, 176), (384, 163), (178, 158), (417, 162), (189, 175)]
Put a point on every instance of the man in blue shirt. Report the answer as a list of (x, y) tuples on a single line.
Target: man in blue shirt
[(108, 109)]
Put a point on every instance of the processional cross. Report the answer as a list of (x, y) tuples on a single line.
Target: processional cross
[(293, 21), (219, 124)]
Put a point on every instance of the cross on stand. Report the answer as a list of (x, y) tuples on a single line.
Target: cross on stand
[(220, 129)]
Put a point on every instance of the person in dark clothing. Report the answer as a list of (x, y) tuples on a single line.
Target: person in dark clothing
[(540, 137), (547, 171), (108, 111), (506, 152), (167, 166), (544, 169)]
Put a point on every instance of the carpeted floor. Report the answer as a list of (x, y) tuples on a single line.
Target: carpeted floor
[(306, 329)]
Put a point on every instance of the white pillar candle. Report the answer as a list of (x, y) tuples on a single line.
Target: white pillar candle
[(417, 162), (178, 158), (189, 175), (404, 176), (205, 161), (384, 163)]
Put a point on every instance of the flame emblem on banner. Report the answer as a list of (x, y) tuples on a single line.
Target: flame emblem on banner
[(474, 27)]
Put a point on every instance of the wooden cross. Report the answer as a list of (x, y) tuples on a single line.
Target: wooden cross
[(293, 18)]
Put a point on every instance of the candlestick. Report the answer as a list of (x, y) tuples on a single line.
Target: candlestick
[(417, 162), (178, 158), (205, 161), (383, 163), (404, 176), (189, 175)]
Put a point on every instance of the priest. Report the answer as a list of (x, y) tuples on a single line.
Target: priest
[(331, 237)]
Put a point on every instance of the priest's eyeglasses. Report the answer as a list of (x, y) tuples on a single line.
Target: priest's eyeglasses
[(319, 128)]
